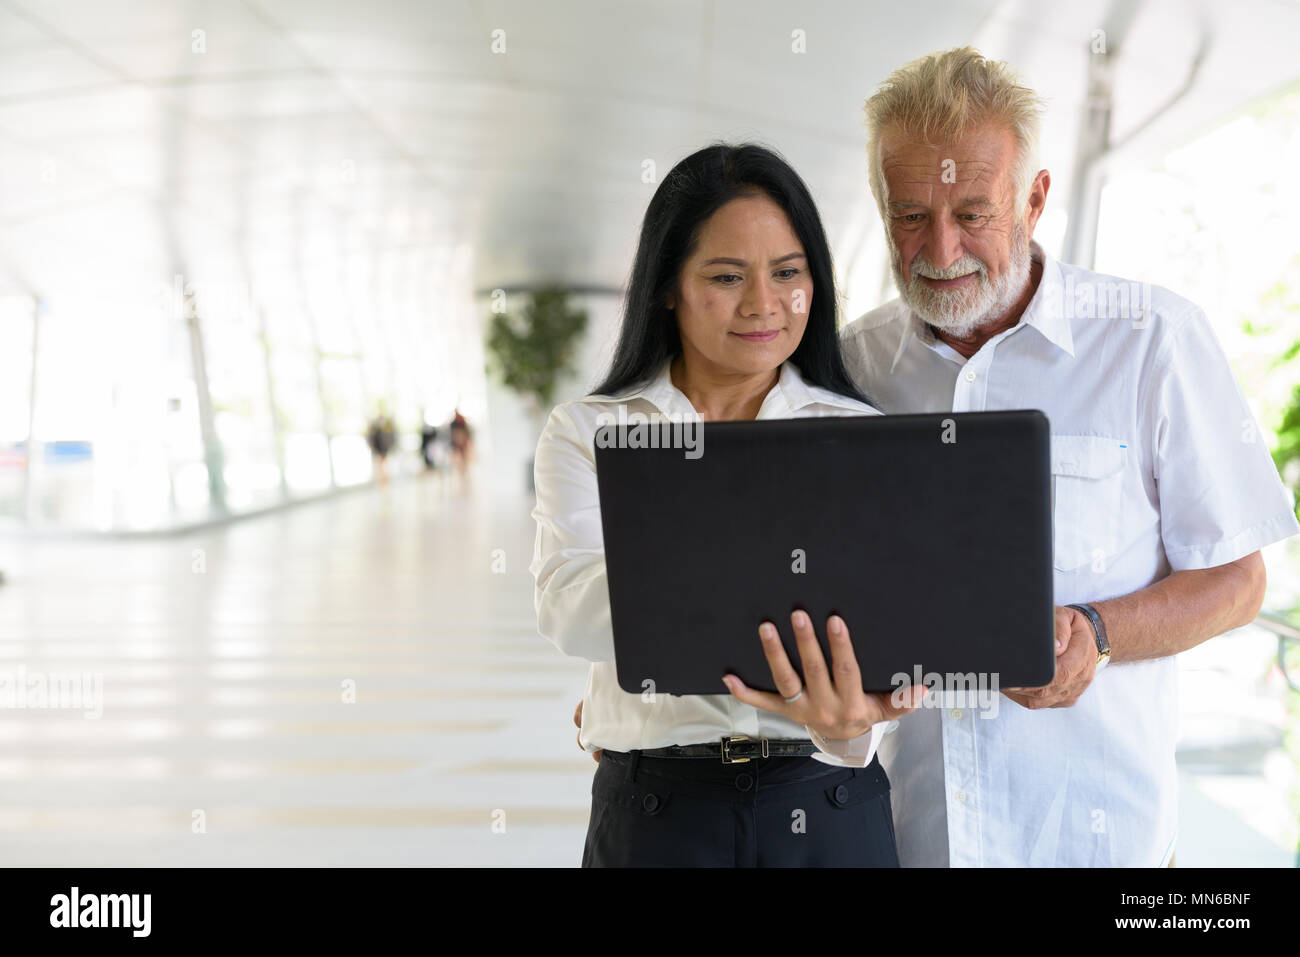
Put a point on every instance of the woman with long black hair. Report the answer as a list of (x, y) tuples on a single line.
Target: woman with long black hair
[(730, 314)]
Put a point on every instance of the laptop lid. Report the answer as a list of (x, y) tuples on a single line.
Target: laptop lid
[(930, 535)]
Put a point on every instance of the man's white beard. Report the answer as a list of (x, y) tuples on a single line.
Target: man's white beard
[(959, 312)]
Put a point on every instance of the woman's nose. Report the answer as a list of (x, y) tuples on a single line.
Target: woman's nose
[(760, 299)]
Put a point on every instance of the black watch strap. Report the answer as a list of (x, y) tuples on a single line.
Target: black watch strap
[(1098, 627)]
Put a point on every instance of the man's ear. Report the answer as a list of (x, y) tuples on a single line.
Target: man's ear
[(1037, 201)]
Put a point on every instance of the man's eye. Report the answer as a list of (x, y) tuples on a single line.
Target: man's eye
[(972, 218), (912, 217)]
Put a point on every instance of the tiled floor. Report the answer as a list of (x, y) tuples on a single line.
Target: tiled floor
[(225, 657)]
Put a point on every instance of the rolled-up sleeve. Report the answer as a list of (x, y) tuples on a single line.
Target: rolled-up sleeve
[(1220, 495), (572, 595)]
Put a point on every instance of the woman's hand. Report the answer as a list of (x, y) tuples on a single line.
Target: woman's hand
[(833, 705), (577, 719)]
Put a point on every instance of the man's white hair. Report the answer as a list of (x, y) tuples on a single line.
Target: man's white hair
[(940, 97)]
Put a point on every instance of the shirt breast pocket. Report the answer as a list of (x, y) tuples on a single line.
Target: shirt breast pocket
[(1087, 500)]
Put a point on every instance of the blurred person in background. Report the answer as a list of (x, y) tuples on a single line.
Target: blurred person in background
[(380, 436), (428, 440), (462, 443)]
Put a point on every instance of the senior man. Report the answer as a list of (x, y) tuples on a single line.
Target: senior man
[(1163, 493)]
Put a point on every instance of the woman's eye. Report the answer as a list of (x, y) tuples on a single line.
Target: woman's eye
[(726, 279), (787, 273)]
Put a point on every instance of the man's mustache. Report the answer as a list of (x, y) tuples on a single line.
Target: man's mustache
[(962, 267)]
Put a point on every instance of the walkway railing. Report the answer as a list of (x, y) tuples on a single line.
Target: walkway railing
[(1288, 644)]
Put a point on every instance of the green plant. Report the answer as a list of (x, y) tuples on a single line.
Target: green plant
[(534, 350), (1272, 324), (1286, 453)]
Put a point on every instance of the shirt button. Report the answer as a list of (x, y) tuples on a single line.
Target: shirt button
[(961, 796), (970, 376), (957, 714), (650, 802), (744, 782), (842, 793)]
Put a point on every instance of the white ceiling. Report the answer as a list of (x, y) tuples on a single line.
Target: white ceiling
[(390, 129)]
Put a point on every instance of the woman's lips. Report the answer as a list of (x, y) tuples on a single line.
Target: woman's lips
[(759, 336)]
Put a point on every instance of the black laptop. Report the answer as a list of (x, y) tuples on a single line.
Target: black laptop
[(931, 535)]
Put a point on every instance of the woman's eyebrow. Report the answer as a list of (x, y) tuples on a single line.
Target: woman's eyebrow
[(741, 262)]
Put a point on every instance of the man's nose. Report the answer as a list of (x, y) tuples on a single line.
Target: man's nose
[(944, 242)]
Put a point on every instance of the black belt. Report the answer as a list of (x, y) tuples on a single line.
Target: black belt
[(737, 749)]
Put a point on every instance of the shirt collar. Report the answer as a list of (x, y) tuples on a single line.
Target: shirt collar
[(1044, 312), (790, 394), (658, 390)]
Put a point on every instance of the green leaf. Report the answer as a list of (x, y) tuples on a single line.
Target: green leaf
[(533, 351)]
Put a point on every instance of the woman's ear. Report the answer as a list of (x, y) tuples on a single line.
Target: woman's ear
[(670, 295)]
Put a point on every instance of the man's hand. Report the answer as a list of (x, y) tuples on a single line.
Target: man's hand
[(1076, 664), (833, 705), (577, 719)]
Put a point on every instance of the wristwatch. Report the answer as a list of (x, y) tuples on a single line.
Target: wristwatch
[(1099, 629)]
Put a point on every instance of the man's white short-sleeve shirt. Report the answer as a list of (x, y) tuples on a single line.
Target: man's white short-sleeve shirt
[(1157, 466)]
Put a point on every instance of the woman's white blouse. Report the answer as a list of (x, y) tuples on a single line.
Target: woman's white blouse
[(572, 597)]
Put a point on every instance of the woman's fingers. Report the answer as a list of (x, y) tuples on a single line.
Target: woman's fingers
[(763, 700), (577, 719), (839, 710), (787, 680), (844, 663), (815, 674)]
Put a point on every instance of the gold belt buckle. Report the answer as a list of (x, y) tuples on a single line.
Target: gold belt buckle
[(726, 748)]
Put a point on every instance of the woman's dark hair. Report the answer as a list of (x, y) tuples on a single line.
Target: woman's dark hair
[(693, 191)]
